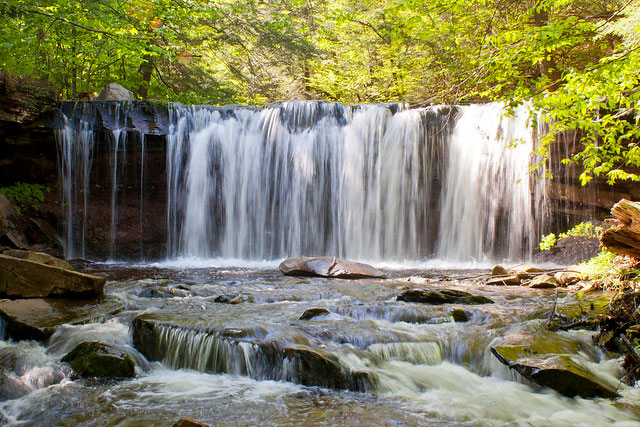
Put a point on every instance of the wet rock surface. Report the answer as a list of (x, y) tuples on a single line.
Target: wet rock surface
[(37, 319), (328, 267), (543, 281), (314, 312), (442, 296), (552, 361), (27, 279), (101, 360)]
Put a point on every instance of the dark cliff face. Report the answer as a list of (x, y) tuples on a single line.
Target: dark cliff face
[(30, 117)]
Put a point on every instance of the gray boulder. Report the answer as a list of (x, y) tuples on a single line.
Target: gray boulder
[(328, 267), (20, 278), (115, 92)]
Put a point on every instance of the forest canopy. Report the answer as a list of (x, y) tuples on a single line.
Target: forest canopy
[(575, 62)]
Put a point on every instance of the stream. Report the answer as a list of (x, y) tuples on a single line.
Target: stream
[(216, 329)]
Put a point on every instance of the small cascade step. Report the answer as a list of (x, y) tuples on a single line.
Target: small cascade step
[(251, 351)]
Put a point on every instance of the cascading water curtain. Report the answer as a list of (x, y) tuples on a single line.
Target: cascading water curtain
[(369, 182)]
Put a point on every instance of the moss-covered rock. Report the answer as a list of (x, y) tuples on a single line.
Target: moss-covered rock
[(459, 315), (553, 361), (97, 359)]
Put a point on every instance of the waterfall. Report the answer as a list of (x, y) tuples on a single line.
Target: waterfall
[(486, 208), (369, 182)]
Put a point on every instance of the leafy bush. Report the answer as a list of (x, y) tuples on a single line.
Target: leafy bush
[(584, 229), (23, 196)]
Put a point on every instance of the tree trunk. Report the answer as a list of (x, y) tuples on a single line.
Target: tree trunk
[(145, 70), (624, 235), (548, 66)]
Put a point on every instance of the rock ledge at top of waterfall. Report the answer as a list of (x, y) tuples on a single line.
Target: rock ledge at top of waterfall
[(328, 267)]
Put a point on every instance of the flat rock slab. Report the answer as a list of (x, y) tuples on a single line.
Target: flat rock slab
[(552, 360), (37, 319), (442, 296), (328, 267), (21, 278), (39, 257)]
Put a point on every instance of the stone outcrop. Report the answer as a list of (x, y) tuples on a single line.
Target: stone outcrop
[(37, 319), (20, 278), (328, 267), (114, 92), (97, 359), (442, 296)]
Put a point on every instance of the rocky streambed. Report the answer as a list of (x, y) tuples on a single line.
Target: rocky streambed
[(247, 345)]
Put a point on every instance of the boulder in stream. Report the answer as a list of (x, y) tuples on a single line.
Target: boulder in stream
[(21, 278), (328, 267), (543, 281), (97, 359), (553, 361), (442, 296), (499, 270)]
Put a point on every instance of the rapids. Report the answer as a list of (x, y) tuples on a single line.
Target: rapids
[(426, 368)]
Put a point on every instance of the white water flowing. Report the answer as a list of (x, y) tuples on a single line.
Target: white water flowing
[(488, 192), (370, 182)]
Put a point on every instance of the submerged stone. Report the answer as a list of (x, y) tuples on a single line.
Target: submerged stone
[(328, 267), (314, 312), (97, 359), (233, 299), (21, 278), (443, 296)]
